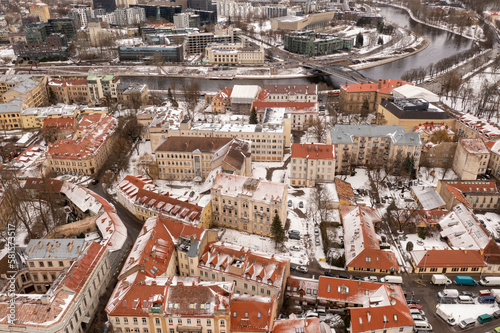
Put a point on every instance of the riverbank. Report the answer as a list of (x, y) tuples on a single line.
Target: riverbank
[(413, 17)]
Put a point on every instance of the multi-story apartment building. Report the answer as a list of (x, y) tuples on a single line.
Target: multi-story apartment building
[(194, 158), (469, 126), (412, 113), (41, 10), (312, 44), (471, 159), (158, 120), (73, 297), (248, 204), (133, 95), (47, 258), (169, 53), (243, 53), (301, 114), (268, 141), (88, 150), (58, 128), (55, 46), (352, 96), (373, 145), (102, 85), (139, 195), (252, 272), (462, 261), (292, 93), (35, 117), (479, 195), (494, 163), (69, 91), (438, 156), (221, 102), (19, 92), (312, 163)]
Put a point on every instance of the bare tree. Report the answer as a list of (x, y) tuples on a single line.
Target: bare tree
[(318, 127), (148, 166)]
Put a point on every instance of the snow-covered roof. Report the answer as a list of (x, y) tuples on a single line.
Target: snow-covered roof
[(345, 134), (463, 230), (258, 189), (411, 91), (486, 128), (244, 92), (428, 197), (54, 249)]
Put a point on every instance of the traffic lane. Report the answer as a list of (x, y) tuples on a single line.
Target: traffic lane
[(132, 223)]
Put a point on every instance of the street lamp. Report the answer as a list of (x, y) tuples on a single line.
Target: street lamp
[(425, 262)]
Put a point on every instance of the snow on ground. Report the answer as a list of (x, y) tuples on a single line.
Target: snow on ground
[(463, 311), (428, 179), (259, 171), (359, 180), (428, 243), (492, 221), (7, 52)]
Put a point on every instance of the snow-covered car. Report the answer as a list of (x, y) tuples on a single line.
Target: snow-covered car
[(294, 248), (302, 269)]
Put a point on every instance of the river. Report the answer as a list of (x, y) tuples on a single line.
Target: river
[(443, 44)]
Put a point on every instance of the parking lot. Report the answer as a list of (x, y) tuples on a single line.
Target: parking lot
[(427, 298)]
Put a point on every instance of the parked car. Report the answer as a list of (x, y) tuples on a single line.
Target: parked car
[(302, 269), (343, 276), (467, 293), (289, 203), (465, 300), (316, 231), (293, 267), (330, 274), (418, 317), (301, 204), (294, 236), (294, 248), (484, 318), (414, 306), (356, 277), (486, 299), (95, 181), (496, 314), (370, 278), (316, 240)]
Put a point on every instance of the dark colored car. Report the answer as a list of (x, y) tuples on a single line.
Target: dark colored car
[(95, 181), (330, 274), (343, 276)]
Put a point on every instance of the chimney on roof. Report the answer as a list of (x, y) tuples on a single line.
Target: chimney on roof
[(70, 246), (40, 244), (49, 246)]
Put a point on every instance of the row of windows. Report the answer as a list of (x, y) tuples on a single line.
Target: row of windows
[(49, 264)]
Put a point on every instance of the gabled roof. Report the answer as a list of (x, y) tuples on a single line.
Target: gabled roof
[(461, 188), (302, 325), (362, 249), (236, 260), (448, 258), (297, 89), (44, 185), (251, 313), (345, 191), (382, 86), (486, 128), (313, 151)]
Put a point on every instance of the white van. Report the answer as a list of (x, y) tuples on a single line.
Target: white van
[(490, 281), (450, 293), (417, 312), (467, 323), (394, 279), (422, 326)]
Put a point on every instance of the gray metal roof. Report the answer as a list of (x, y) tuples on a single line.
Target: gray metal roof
[(53, 249), (428, 197), (345, 134)]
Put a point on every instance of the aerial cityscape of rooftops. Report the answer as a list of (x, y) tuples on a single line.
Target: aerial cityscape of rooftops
[(260, 166)]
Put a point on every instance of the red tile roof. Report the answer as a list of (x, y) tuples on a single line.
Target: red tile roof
[(89, 144), (383, 86), (313, 151), (459, 188), (345, 191), (291, 107), (253, 313), (309, 325), (256, 266), (78, 274), (474, 146), (134, 187), (44, 185), (67, 82), (448, 258), (61, 123), (152, 251), (224, 94)]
